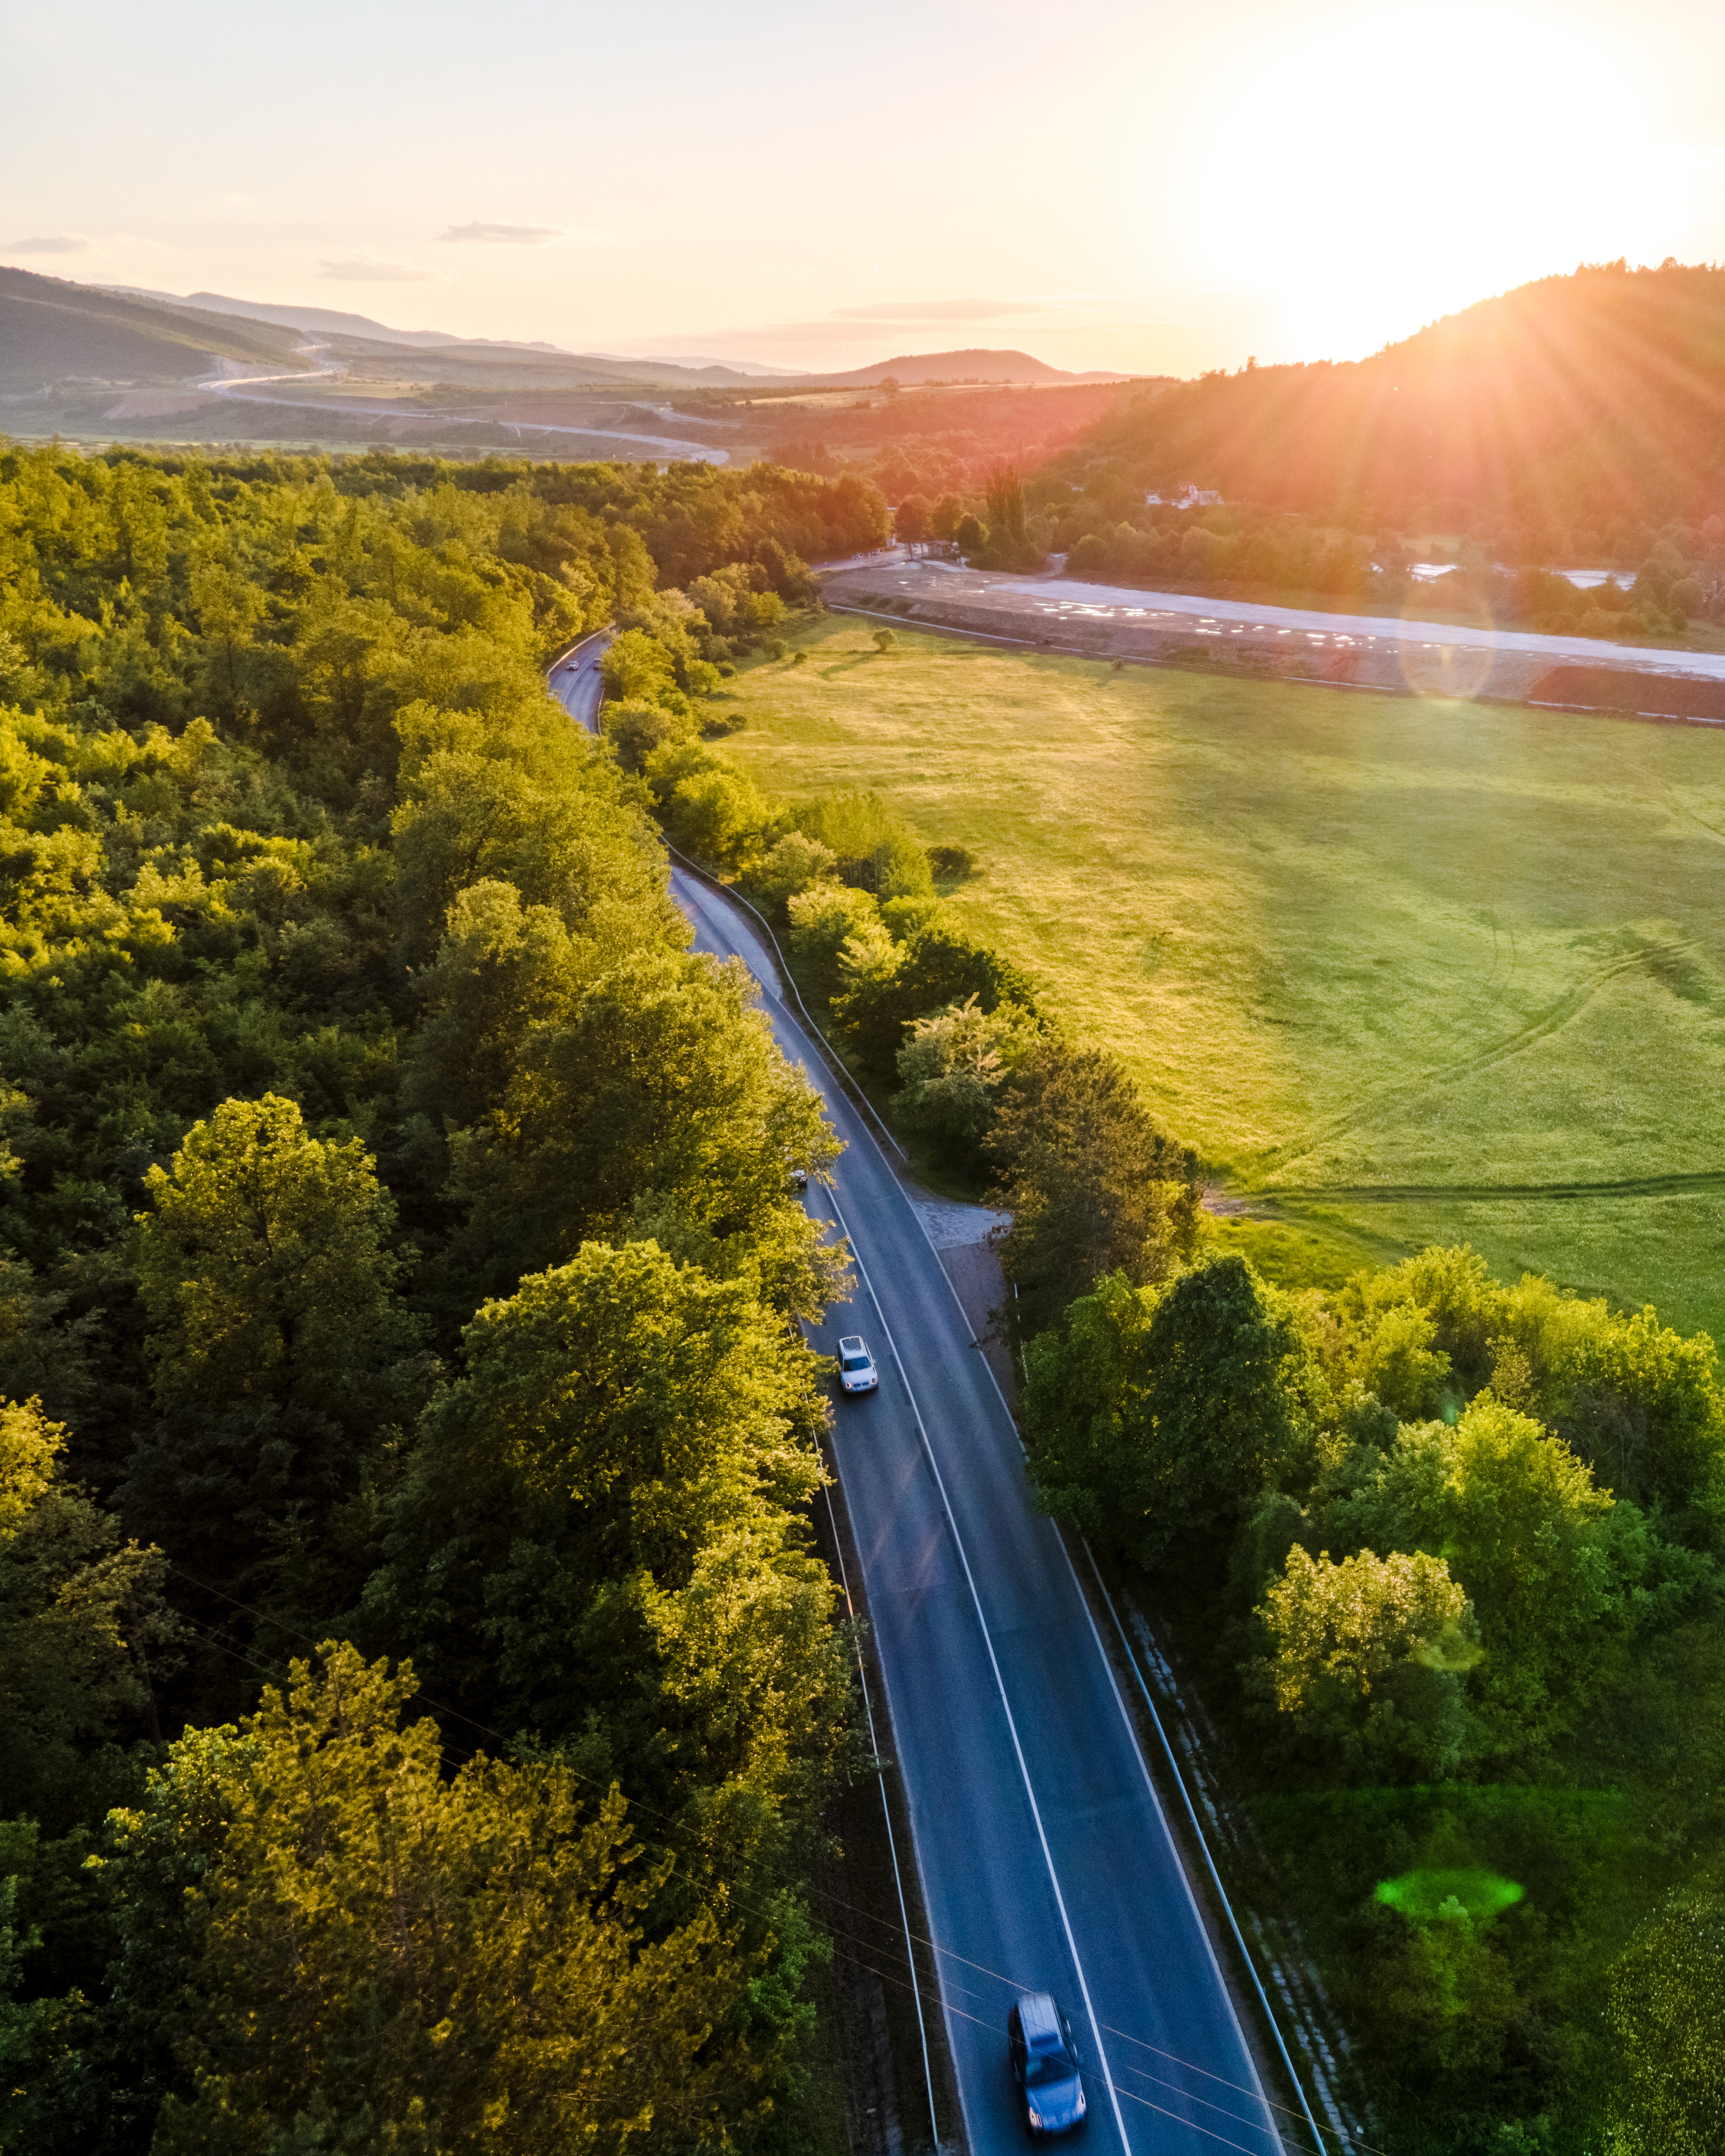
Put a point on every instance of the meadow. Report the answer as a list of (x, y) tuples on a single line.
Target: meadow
[(1404, 971)]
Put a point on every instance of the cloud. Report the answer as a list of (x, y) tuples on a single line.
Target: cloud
[(361, 269), (941, 310), (504, 235), (52, 243)]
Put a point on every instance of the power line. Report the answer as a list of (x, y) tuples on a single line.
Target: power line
[(1014, 1986)]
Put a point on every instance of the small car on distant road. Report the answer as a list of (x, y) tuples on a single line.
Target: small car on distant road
[(1044, 2065), (856, 1366)]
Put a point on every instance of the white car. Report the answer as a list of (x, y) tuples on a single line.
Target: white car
[(856, 1366)]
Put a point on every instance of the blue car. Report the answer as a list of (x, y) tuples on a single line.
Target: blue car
[(1044, 2065)]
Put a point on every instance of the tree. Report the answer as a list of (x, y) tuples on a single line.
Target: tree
[(657, 1093), (83, 1629), (280, 1353), (1367, 1654), (376, 1956), (502, 970), (791, 865), (1094, 1186), (634, 729), (970, 535), (637, 668), (1393, 1357), (229, 608), (600, 1537), (1527, 1535), (719, 818), (824, 918), (909, 520), (953, 1064), (1667, 2013), (1164, 1411), (938, 965), (1006, 508), (1084, 1409)]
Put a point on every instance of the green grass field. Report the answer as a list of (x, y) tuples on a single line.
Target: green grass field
[(1404, 970)]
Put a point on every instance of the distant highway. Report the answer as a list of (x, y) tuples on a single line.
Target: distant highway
[(251, 389), (1044, 1856), (1043, 603)]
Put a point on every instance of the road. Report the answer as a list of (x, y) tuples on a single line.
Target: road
[(252, 389), (1045, 1859), (1045, 601)]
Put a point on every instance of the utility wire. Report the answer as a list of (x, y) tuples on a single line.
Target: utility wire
[(1014, 1986)]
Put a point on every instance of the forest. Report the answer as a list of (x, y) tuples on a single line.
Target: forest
[(358, 1665)]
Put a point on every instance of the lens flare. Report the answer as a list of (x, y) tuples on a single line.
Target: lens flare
[(1425, 1897)]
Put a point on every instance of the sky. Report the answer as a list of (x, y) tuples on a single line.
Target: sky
[(1148, 187)]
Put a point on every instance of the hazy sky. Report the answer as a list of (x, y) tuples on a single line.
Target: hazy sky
[(1150, 187)]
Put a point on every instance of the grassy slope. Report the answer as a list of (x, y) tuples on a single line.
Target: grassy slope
[(1416, 971)]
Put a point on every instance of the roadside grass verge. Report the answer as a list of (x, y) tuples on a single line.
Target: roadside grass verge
[(1404, 970)]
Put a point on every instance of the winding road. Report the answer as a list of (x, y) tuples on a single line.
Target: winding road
[(1045, 1859), (253, 389)]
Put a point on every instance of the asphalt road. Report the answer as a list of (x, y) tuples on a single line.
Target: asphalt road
[(1044, 1860), (575, 681), (654, 448), (1045, 601)]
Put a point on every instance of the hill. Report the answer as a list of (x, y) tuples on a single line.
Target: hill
[(51, 329), (973, 366), (1577, 401)]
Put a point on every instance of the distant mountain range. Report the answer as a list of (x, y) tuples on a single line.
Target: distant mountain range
[(325, 320), (52, 330)]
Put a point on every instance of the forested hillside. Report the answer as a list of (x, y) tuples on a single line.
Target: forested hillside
[(419, 1690), (1574, 403)]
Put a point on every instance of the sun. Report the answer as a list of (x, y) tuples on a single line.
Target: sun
[(1410, 160)]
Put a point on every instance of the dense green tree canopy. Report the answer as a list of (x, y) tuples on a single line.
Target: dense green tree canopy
[(383, 1956), (340, 989)]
